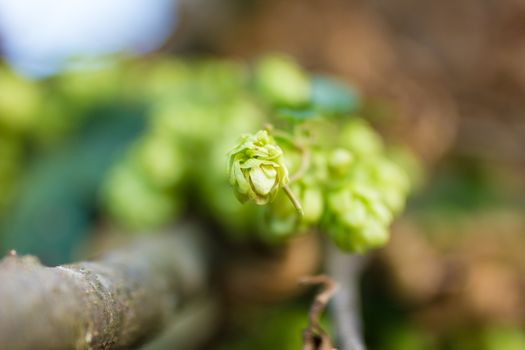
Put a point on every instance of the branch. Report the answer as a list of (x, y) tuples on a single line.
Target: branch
[(345, 306), (118, 301)]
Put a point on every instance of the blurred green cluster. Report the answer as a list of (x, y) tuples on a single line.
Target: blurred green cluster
[(348, 184), (196, 111), (351, 188)]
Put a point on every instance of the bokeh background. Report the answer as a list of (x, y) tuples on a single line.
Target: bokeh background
[(445, 78)]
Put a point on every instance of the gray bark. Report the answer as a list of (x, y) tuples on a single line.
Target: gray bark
[(120, 300), (345, 306)]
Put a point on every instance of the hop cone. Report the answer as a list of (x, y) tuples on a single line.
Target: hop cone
[(256, 168)]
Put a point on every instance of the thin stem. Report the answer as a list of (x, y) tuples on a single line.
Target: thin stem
[(294, 199), (305, 163), (306, 155)]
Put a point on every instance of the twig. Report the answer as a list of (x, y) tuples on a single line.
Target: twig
[(314, 337), (345, 307), (306, 157)]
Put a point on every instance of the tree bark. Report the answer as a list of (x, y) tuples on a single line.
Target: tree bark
[(117, 301)]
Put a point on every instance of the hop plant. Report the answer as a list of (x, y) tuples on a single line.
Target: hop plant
[(256, 168), (281, 81), (160, 160), (134, 203), (357, 219), (317, 166)]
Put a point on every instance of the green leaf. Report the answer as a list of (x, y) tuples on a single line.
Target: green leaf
[(333, 96)]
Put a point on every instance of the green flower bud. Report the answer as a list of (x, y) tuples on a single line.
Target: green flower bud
[(134, 204), (358, 137), (390, 181), (281, 81), (357, 219), (340, 161), (386, 172), (312, 201), (358, 204), (256, 168), (160, 160)]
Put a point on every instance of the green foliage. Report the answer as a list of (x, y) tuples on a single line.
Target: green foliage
[(335, 165), (281, 81), (134, 202), (332, 96), (51, 214), (347, 186)]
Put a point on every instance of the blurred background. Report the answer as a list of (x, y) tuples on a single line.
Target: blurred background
[(446, 78)]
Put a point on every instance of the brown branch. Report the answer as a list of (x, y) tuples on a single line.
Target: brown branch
[(345, 307), (314, 337), (118, 301)]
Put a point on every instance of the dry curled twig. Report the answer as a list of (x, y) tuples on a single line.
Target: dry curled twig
[(314, 336)]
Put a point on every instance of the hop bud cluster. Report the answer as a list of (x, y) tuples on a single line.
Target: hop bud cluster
[(306, 160), (351, 190), (191, 104), (362, 206), (316, 167)]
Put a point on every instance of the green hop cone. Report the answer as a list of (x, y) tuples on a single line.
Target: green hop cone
[(389, 179), (281, 81), (256, 168), (160, 160), (359, 137), (134, 204), (313, 205), (340, 160), (357, 219)]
